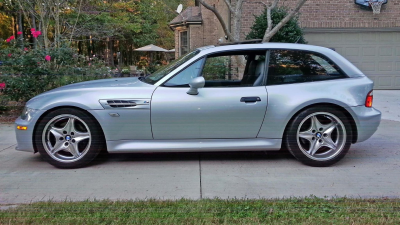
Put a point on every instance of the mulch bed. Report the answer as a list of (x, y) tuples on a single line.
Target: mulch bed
[(10, 110), (8, 118)]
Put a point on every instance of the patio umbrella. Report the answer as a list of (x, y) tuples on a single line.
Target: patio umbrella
[(151, 48)]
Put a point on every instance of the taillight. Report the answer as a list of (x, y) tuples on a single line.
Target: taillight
[(369, 99)]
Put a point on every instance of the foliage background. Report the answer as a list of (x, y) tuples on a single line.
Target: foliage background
[(85, 39)]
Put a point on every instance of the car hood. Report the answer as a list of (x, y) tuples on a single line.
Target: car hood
[(87, 94), (103, 83)]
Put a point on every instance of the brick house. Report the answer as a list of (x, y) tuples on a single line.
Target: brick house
[(370, 41)]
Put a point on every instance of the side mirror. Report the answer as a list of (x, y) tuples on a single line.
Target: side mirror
[(195, 84)]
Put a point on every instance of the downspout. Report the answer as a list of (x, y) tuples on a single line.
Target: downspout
[(229, 19), (230, 31)]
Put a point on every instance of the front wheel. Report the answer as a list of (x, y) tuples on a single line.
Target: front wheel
[(68, 138), (319, 136)]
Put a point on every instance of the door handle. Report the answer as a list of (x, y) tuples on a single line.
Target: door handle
[(250, 99)]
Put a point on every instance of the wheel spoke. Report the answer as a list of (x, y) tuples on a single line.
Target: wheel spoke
[(308, 135), (57, 147), (73, 149), (56, 132), (70, 127), (315, 124), (328, 142), (315, 146), (329, 128), (82, 135), (81, 138)]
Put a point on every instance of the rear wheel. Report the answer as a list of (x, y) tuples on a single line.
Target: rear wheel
[(69, 138), (319, 136)]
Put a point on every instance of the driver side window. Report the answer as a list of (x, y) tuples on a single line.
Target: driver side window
[(229, 69), (183, 78)]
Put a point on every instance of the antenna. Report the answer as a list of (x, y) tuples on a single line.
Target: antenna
[(179, 9)]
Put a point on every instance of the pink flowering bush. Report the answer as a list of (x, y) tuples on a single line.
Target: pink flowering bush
[(10, 39), (29, 72)]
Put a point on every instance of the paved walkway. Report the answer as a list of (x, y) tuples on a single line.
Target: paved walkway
[(388, 102), (371, 169)]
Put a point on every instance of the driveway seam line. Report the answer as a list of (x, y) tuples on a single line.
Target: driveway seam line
[(201, 188), (8, 147)]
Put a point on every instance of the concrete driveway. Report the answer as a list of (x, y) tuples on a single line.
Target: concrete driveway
[(371, 169)]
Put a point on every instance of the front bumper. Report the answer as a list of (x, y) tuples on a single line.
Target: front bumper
[(367, 121), (25, 137)]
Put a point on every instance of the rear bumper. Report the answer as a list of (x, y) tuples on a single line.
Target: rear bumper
[(367, 121)]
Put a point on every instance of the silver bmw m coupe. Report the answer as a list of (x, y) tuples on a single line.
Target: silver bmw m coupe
[(240, 97)]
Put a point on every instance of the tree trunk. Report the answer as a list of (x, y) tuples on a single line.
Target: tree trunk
[(88, 46), (20, 37), (34, 41), (80, 47), (111, 52)]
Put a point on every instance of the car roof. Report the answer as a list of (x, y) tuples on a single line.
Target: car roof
[(267, 45), (343, 63)]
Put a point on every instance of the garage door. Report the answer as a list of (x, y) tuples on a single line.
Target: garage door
[(377, 54)]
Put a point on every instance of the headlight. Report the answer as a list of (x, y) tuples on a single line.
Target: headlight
[(27, 113)]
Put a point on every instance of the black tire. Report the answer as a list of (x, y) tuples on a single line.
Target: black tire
[(68, 138), (319, 136)]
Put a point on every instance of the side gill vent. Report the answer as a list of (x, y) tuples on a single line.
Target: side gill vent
[(121, 103)]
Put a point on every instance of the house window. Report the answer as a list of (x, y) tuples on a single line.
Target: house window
[(184, 42)]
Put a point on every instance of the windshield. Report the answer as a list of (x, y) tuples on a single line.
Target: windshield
[(162, 72)]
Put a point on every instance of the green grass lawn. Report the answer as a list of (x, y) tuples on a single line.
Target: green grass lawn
[(212, 211)]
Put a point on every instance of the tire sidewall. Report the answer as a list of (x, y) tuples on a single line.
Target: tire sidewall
[(97, 138), (290, 138)]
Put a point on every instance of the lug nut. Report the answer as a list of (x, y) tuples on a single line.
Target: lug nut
[(325, 135), (72, 133), (64, 132), (313, 138), (313, 131), (320, 141), (73, 140), (61, 138), (320, 129), (66, 144)]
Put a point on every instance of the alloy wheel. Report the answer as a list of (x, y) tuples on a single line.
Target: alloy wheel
[(66, 138), (321, 136)]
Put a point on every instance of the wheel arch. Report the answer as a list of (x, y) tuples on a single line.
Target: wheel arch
[(61, 107), (338, 107)]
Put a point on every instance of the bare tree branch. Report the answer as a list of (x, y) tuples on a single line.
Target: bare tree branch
[(269, 34), (239, 5), (23, 11), (269, 19), (76, 21), (219, 17), (229, 6)]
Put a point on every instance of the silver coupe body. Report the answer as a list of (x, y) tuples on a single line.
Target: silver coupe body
[(244, 97)]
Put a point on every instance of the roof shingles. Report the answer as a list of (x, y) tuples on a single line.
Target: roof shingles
[(191, 14)]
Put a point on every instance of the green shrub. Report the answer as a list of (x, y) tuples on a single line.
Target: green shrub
[(216, 68), (290, 33), (29, 72)]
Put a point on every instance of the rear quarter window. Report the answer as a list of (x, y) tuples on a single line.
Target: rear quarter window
[(296, 66)]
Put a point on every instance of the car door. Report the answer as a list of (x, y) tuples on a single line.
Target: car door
[(231, 105)]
